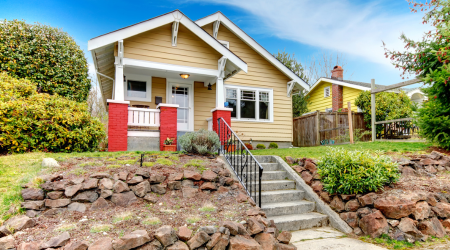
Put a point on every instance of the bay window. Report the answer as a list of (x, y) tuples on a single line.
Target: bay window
[(250, 104)]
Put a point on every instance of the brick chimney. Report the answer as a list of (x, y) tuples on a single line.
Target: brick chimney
[(337, 90)]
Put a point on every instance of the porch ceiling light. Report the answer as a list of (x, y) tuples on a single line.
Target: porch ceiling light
[(184, 76)]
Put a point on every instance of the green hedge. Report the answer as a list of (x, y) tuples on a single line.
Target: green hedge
[(30, 121), (45, 55), (354, 172)]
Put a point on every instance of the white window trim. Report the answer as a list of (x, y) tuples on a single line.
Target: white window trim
[(226, 43), (324, 92), (142, 78), (238, 111)]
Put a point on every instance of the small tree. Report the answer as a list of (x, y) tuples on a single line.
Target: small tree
[(45, 55)]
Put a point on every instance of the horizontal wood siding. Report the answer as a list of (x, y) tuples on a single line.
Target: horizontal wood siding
[(156, 46), (204, 102), (317, 99), (261, 73), (350, 95)]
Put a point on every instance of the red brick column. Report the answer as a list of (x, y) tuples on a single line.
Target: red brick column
[(225, 113), (337, 97), (117, 126), (168, 123)]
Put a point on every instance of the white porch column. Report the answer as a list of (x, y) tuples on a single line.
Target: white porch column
[(119, 93), (219, 93)]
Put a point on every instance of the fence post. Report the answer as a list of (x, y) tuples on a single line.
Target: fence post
[(350, 122), (372, 105), (318, 128)]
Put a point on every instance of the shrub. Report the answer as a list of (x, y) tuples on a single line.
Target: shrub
[(200, 142), (45, 55), (273, 145), (353, 172), (30, 121), (249, 146), (260, 146)]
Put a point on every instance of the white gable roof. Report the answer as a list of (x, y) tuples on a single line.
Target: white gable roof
[(253, 44), (135, 29)]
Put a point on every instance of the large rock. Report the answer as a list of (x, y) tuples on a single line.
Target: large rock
[(90, 183), (33, 194), (337, 204), (57, 203), (7, 242), (100, 175), (209, 175), (35, 205), (367, 200), (198, 240), (157, 178), (307, 177), (208, 229), (351, 218), (87, 196), (135, 180), (57, 241), (120, 187), (422, 210), (184, 233), (55, 195), (289, 160), (191, 175), (374, 224), (123, 175), (142, 189), (77, 245), (106, 193), (267, 241), (106, 183), (131, 240), (20, 222), (395, 208), (179, 245), (60, 185), (317, 186), (222, 243), (208, 186), (166, 235), (189, 192), (159, 188), (176, 177), (143, 172), (230, 225), (363, 211), (174, 185), (214, 239), (432, 227), (124, 199), (352, 206), (50, 163), (254, 227), (442, 209), (4, 231), (241, 243), (408, 226), (100, 203), (78, 207), (72, 190), (310, 166), (34, 245), (102, 244), (284, 237)]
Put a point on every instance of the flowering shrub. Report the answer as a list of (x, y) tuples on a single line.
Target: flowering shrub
[(30, 121), (45, 55)]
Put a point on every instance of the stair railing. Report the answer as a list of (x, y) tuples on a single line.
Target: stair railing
[(248, 170)]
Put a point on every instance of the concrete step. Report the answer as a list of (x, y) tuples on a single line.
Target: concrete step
[(265, 166), (274, 185), (280, 196), (299, 221), (272, 175), (288, 208)]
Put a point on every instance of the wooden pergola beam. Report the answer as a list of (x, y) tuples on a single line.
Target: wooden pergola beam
[(395, 86)]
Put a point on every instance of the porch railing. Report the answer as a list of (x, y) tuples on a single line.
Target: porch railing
[(398, 129), (248, 170), (143, 117)]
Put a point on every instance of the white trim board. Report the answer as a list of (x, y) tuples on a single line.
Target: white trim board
[(353, 86), (253, 44), (143, 133), (121, 34)]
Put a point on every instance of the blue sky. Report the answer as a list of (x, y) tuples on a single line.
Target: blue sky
[(304, 27)]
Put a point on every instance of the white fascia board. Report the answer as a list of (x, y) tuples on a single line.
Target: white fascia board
[(133, 30), (169, 67), (353, 86), (253, 44)]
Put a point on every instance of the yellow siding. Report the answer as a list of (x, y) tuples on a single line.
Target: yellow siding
[(263, 74), (158, 89), (204, 101), (350, 95), (317, 99), (156, 46)]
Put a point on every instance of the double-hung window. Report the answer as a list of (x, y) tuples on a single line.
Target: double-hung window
[(250, 104)]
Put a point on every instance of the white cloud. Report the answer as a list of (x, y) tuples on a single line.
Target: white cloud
[(334, 25)]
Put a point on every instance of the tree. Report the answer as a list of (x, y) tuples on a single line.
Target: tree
[(322, 65), (45, 55), (389, 106), (299, 100), (429, 59)]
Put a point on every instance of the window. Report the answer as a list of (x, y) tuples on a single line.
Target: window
[(249, 103), (326, 92), (225, 43), (136, 89)]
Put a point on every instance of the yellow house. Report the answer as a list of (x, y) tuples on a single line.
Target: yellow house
[(169, 75)]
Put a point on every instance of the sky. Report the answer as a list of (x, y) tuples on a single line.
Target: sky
[(352, 28)]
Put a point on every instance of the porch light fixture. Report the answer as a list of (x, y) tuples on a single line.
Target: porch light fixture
[(184, 76), (209, 86)]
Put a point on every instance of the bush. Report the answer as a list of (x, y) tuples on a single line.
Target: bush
[(30, 121), (249, 146), (200, 142), (273, 145), (260, 146), (45, 55), (353, 172)]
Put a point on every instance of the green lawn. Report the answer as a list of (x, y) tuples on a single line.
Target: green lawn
[(317, 152)]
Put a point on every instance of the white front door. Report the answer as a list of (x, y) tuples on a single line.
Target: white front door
[(181, 94)]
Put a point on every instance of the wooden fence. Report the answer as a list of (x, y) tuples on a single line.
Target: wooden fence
[(321, 128)]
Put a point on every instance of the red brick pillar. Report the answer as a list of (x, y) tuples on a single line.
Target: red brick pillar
[(337, 97), (225, 113), (168, 123), (117, 126)]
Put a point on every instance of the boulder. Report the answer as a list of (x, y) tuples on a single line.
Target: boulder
[(393, 223), (337, 204), (102, 244), (176, 177), (407, 171), (352, 205), (55, 195), (191, 175), (4, 231), (442, 209), (422, 210), (7, 242), (214, 239), (231, 226), (100, 203), (198, 240), (408, 226), (289, 160), (189, 192), (34, 245), (367, 200), (90, 183), (374, 224), (307, 177), (351, 218), (151, 198), (209, 175), (179, 245), (395, 208), (105, 183), (132, 240), (284, 237), (317, 186), (35, 205), (123, 199), (240, 243), (427, 162), (187, 183), (431, 169), (432, 227), (347, 197), (78, 207), (120, 187), (77, 181), (254, 227), (157, 178), (166, 235), (241, 228), (174, 185), (208, 186), (32, 213), (123, 175), (33, 194), (153, 245), (159, 188), (222, 243), (106, 193), (87, 196), (20, 222), (325, 197), (135, 180), (281, 246), (54, 211), (208, 229), (72, 190), (100, 175), (57, 241), (77, 245), (184, 233), (143, 172), (60, 185), (310, 166), (142, 189), (50, 163), (267, 241)]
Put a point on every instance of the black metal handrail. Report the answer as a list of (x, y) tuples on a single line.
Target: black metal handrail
[(244, 164)]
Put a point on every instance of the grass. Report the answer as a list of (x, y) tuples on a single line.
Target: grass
[(100, 228), (174, 158), (122, 217), (65, 227), (148, 164), (126, 162), (113, 166), (193, 219), (152, 221), (386, 241), (207, 208), (317, 152), (194, 163), (164, 162)]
